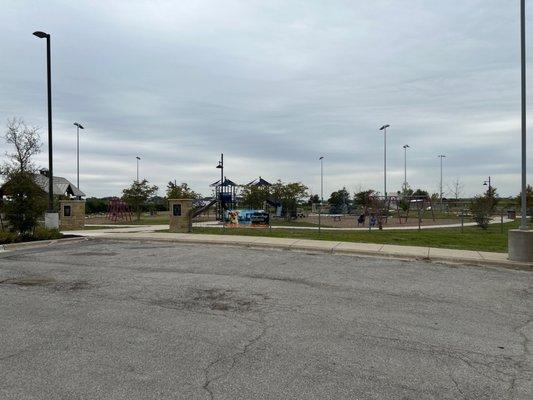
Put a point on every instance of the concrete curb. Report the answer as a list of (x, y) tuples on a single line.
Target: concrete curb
[(342, 248)]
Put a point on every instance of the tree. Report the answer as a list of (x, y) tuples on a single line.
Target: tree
[(289, 194), (482, 207), (24, 202), (456, 188), (313, 199), (254, 196), (26, 142), (339, 200), (138, 194), (182, 191), (363, 198), (420, 193)]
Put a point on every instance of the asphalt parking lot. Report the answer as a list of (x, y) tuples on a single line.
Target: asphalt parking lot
[(135, 320)]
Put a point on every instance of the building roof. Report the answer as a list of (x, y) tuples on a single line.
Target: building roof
[(259, 182), (227, 182), (61, 186)]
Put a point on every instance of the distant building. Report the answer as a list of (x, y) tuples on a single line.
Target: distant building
[(61, 186)]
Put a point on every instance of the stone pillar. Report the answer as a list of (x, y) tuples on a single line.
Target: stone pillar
[(521, 245), (72, 214), (179, 213)]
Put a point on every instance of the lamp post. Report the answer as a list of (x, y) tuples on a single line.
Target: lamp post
[(488, 183), (523, 219), (138, 159), (405, 147), (43, 35), (78, 127), (384, 129), (221, 167), (441, 156), (321, 192)]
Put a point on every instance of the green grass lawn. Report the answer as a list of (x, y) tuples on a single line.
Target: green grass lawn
[(473, 238)]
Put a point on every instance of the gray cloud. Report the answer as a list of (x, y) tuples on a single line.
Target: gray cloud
[(273, 85)]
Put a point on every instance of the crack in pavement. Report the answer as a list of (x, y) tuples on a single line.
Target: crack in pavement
[(234, 357)]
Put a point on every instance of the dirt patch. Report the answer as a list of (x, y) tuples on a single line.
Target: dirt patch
[(71, 286), (209, 299), (51, 283), (29, 281), (95, 254)]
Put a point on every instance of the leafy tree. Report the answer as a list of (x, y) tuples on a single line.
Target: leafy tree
[(25, 203), (254, 196), (420, 193), (364, 198), (182, 191), (314, 199), (95, 205), (482, 207), (289, 194), (138, 194), (339, 200)]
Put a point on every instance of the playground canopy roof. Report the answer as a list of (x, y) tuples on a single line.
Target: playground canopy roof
[(259, 182), (227, 182)]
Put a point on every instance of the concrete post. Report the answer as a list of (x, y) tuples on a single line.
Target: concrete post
[(72, 214), (179, 215), (520, 245)]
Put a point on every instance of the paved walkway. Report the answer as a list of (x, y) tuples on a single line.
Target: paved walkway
[(147, 233)]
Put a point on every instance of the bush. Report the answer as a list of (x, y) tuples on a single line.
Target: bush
[(482, 208), (41, 233), (25, 203)]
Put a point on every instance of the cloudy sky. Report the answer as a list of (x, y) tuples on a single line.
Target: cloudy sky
[(273, 85)]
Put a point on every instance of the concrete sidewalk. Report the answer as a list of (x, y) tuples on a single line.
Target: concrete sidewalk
[(335, 247)]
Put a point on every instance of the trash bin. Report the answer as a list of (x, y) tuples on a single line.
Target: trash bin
[(511, 214)]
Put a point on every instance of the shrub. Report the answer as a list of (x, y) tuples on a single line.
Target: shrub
[(41, 233)]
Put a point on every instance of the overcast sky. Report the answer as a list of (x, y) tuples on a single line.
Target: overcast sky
[(273, 85)]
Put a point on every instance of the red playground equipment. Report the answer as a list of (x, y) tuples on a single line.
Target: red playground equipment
[(117, 209)]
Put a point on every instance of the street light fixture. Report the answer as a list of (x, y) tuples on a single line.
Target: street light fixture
[(78, 127), (43, 35), (138, 159), (384, 129), (220, 199), (321, 192), (405, 147), (441, 156)]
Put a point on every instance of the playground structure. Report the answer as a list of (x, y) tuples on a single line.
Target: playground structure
[(225, 196), (118, 209)]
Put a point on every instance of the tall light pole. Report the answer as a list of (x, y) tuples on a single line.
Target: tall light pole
[(43, 35), (321, 192), (78, 127), (405, 147), (384, 129), (441, 156), (523, 219), (138, 159), (221, 167)]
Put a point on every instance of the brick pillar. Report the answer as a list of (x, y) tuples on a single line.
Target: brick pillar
[(179, 214), (71, 214)]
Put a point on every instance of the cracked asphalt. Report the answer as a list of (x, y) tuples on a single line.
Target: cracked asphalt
[(132, 320)]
